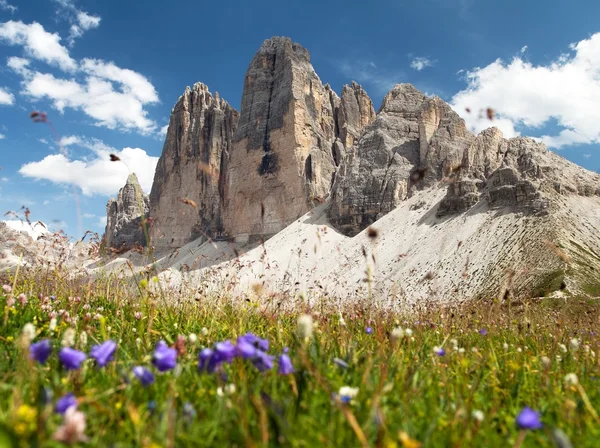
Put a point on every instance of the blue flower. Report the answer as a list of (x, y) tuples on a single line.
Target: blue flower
[(261, 344), (144, 375), (244, 348), (285, 363), (206, 360), (224, 351), (340, 362), (64, 403), (70, 358), (40, 351), (104, 352), (164, 358), (262, 361), (529, 419), (369, 330), (483, 332), (439, 351)]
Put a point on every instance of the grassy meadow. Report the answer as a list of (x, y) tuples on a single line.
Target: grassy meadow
[(440, 377)]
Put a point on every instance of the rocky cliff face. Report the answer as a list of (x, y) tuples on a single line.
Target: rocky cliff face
[(186, 201), (418, 142), (124, 214), (292, 135)]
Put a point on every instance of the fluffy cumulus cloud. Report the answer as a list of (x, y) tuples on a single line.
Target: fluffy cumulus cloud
[(96, 174), (114, 97), (421, 63), (38, 43), (6, 98), (565, 91)]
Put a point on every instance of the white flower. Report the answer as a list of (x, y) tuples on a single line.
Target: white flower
[(220, 392), (52, 325), (545, 361), (558, 358), (230, 389), (408, 332), (342, 322), (461, 350), (397, 333), (505, 346), (192, 338), (574, 344), (586, 349), (454, 344), (347, 393), (519, 350), (68, 339), (29, 332), (138, 341), (478, 415), (474, 350), (571, 379), (204, 331), (305, 327), (563, 348)]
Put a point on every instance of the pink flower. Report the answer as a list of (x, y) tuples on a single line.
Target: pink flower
[(7, 289), (22, 299), (10, 301), (73, 428), (138, 315)]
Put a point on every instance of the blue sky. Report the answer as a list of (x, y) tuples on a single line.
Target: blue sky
[(108, 72)]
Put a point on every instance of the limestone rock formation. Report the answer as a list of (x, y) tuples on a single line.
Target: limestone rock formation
[(124, 215), (417, 142), (186, 201), (292, 135)]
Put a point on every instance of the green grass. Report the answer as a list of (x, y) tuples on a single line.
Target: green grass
[(404, 387)]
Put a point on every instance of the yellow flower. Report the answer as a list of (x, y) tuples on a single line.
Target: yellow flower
[(26, 417)]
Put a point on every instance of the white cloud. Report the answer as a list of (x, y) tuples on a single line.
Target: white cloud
[(587, 156), (102, 222), (524, 48), (96, 175), (163, 130), (421, 63), (89, 215), (2, 136), (114, 97), (5, 6), (97, 98), (38, 43), (522, 94), (4, 179), (6, 98), (70, 140), (80, 20)]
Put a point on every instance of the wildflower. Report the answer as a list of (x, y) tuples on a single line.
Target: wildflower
[(397, 333), (143, 375), (29, 332), (529, 419), (230, 389), (204, 331), (563, 348), (64, 403), (261, 344), (22, 299), (26, 418), (545, 361), (40, 351), (73, 428), (137, 315), (340, 362), (68, 339), (206, 360), (70, 358), (98, 316), (192, 338), (305, 327), (369, 330), (285, 363), (10, 301), (519, 350), (164, 358), (188, 411), (7, 289), (439, 351), (483, 332), (571, 379), (225, 351), (505, 346), (342, 322), (347, 394), (454, 344), (262, 361), (244, 348), (478, 415), (408, 332), (558, 358), (104, 352), (574, 344), (461, 350)]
